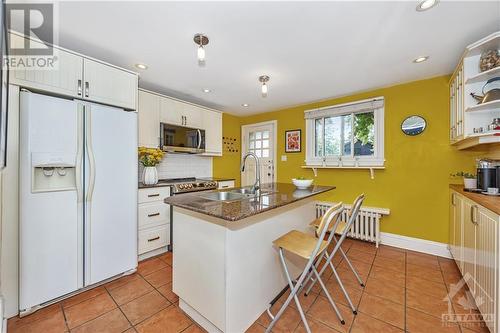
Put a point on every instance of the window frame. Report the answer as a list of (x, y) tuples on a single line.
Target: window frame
[(376, 105)]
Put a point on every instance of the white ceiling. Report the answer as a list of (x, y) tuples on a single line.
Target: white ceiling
[(311, 51)]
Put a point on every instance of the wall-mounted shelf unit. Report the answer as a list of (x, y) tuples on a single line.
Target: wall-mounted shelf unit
[(316, 167), (466, 116)]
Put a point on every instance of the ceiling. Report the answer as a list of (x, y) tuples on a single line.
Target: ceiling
[(311, 50)]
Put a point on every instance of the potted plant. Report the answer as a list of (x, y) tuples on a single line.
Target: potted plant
[(469, 179), (150, 158)]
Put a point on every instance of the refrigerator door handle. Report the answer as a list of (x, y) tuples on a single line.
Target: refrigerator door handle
[(88, 144), (79, 153)]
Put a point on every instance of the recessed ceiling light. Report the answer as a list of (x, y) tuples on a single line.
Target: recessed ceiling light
[(426, 4), (207, 90), (141, 66), (245, 105), (420, 59)]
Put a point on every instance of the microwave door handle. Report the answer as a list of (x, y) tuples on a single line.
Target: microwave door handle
[(199, 139)]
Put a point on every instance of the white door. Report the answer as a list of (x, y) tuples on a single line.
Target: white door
[(259, 139), (50, 230), (109, 85), (111, 196), (149, 119)]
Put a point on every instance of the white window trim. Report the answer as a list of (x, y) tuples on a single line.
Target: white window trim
[(373, 104)]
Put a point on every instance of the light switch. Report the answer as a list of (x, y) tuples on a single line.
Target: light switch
[(283, 158)]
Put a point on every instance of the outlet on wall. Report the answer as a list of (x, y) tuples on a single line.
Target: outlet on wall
[(283, 158)]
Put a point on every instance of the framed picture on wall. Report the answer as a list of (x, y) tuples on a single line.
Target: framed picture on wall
[(292, 141)]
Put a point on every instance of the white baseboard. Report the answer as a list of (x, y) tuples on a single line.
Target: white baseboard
[(415, 244)]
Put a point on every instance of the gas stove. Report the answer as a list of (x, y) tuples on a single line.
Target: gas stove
[(185, 185)]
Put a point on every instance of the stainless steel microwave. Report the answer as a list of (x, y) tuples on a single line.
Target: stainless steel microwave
[(175, 138)]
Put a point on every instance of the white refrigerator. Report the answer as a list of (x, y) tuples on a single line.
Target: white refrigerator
[(78, 196)]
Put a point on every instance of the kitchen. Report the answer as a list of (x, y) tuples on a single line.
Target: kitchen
[(230, 180)]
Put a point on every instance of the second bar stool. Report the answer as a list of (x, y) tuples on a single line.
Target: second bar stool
[(311, 249)]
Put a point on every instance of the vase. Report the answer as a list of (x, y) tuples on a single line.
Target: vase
[(470, 183), (149, 175)]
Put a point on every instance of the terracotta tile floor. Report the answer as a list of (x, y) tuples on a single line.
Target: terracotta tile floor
[(405, 292)]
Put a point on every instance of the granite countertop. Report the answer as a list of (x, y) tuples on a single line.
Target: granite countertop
[(489, 202), (281, 194), (160, 184)]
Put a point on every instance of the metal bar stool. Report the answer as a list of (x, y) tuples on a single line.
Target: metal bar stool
[(341, 229), (310, 248)]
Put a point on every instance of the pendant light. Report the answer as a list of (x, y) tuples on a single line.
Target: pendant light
[(201, 40), (264, 89)]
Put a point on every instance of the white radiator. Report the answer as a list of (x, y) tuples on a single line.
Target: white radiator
[(366, 226)]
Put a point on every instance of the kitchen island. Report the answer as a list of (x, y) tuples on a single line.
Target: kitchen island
[(225, 268)]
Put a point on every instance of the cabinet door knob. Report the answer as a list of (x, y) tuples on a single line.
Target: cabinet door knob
[(153, 239), (87, 89), (79, 88), (154, 214), (153, 195)]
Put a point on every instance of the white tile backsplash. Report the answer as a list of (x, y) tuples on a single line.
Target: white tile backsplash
[(182, 165)]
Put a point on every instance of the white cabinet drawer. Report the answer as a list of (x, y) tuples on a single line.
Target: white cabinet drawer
[(153, 214), (225, 184), (153, 194), (154, 238)]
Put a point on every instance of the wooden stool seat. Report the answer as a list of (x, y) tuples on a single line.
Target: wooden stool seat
[(340, 228), (299, 243)]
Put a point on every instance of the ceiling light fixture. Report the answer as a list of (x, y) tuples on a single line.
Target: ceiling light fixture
[(141, 66), (426, 5), (420, 59), (207, 90), (245, 105), (264, 79), (201, 40)]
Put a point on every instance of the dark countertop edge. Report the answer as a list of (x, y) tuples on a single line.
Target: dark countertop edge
[(489, 202), (141, 185), (201, 211)]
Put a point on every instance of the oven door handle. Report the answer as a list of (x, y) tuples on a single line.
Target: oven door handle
[(199, 139)]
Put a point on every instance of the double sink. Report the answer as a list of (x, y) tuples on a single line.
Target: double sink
[(233, 195)]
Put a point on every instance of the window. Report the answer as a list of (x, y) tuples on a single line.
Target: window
[(258, 143), (346, 135)]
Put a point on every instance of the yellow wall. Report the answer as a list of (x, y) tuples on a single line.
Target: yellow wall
[(229, 164), (414, 185)]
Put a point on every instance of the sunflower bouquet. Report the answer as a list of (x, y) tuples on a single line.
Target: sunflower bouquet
[(150, 157)]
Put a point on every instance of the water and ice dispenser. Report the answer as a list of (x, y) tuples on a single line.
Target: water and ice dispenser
[(53, 172)]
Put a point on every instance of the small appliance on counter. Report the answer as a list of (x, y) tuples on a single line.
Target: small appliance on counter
[(488, 174)]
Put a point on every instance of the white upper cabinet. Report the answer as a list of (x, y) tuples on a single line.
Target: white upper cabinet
[(77, 76), (149, 119), (193, 116), (109, 85), (170, 111), (65, 79), (212, 123), (179, 113)]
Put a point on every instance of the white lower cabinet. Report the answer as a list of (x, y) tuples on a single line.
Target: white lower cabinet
[(154, 221), (474, 237)]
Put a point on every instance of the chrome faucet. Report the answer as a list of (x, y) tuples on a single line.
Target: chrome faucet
[(256, 186)]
